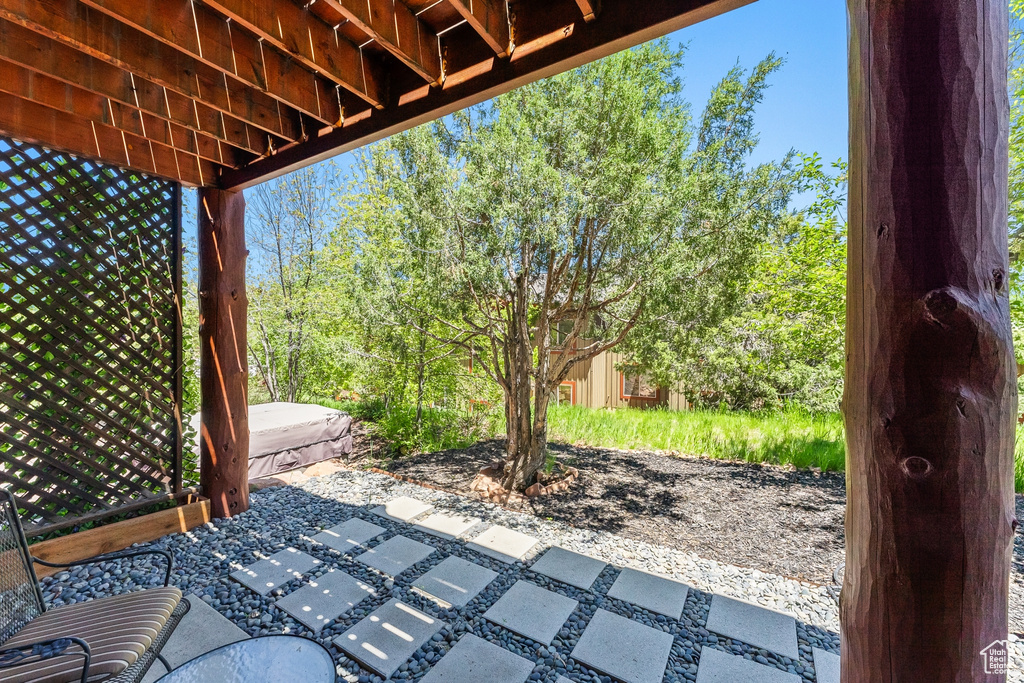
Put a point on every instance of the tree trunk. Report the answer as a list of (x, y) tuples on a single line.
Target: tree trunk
[(420, 378), (224, 368), (930, 395)]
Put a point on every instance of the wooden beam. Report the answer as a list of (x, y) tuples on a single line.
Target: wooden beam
[(97, 35), (590, 8), (397, 30), (930, 396), (620, 27), (223, 360), (490, 19), (303, 36), (33, 122), (21, 82), (24, 47), (211, 39), (110, 538)]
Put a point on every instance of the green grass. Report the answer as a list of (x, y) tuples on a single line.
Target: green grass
[(790, 437), (439, 429), (796, 438)]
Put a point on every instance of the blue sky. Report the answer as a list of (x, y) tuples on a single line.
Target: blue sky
[(806, 106)]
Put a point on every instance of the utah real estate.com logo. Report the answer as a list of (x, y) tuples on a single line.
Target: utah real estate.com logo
[(996, 658)]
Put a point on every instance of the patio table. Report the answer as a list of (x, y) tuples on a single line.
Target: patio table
[(264, 659)]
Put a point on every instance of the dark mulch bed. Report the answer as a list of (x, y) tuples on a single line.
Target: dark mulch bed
[(774, 519), (770, 518)]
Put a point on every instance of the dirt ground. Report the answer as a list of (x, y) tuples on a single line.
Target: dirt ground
[(720, 510), (775, 519)]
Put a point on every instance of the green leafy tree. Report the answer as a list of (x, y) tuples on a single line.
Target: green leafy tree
[(589, 203), (785, 345), (288, 222)]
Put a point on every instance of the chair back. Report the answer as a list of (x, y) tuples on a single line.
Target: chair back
[(21, 601)]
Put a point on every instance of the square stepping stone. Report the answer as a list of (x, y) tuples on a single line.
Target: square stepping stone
[(395, 555), (624, 649), (348, 535), (503, 544), (385, 639), (454, 582), (447, 526), (569, 567), (826, 666), (531, 611), (402, 509), (753, 625), (474, 659), (275, 571), (654, 593), (325, 599), (722, 667)]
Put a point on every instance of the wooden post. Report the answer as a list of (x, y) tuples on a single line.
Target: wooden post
[(224, 367), (930, 396)]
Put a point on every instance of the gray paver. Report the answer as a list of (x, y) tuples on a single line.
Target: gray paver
[(569, 567), (474, 659), (402, 509), (562, 679), (654, 593), (395, 555), (348, 535), (624, 649), (325, 599), (754, 625), (202, 629), (503, 544), (722, 667), (385, 639), (826, 666), (455, 581), (447, 526), (275, 571), (531, 611)]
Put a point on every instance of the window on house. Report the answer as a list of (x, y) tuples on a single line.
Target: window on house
[(566, 394), (636, 385), (560, 332)]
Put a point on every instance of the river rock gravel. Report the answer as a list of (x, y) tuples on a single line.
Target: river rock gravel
[(288, 516)]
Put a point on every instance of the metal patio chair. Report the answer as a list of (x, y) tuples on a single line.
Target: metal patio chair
[(112, 639)]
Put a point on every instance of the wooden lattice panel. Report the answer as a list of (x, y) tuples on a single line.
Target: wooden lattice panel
[(89, 334)]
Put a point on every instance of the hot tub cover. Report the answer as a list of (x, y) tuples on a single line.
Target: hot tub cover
[(283, 436)]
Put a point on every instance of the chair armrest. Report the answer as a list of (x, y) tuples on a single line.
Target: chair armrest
[(116, 556), (45, 649)]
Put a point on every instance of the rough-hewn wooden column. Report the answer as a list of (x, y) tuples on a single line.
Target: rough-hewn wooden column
[(224, 368), (930, 380)]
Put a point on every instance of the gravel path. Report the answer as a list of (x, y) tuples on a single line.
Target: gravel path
[(715, 509), (288, 516)]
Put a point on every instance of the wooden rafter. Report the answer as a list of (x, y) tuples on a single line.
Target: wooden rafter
[(50, 92), (396, 29), (309, 40), (489, 18), (33, 122), (71, 23), (212, 40), (590, 8), (21, 46), (547, 43)]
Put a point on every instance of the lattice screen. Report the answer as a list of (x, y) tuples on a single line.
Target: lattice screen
[(90, 349)]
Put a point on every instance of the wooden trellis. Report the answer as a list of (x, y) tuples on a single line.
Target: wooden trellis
[(90, 330)]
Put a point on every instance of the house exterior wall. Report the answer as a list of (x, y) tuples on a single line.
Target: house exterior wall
[(595, 383), (599, 385)]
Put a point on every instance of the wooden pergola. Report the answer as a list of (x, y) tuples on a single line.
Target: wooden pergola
[(225, 94)]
